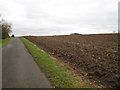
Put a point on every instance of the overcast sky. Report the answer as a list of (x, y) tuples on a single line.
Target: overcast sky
[(58, 17)]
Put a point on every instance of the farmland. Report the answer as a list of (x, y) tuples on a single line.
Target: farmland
[(95, 57)]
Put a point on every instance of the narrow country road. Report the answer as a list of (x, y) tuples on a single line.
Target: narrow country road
[(19, 68)]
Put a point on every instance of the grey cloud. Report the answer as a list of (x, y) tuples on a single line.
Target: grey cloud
[(53, 17)]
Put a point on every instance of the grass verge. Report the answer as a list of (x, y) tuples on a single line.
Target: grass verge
[(3, 42), (60, 76)]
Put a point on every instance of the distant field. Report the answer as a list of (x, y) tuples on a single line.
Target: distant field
[(93, 56)]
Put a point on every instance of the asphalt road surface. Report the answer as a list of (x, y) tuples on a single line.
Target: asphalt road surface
[(19, 68)]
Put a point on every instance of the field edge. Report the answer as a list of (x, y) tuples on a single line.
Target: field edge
[(3, 42)]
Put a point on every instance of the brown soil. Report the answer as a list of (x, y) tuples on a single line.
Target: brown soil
[(93, 56)]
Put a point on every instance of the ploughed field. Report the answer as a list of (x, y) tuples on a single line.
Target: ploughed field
[(95, 57)]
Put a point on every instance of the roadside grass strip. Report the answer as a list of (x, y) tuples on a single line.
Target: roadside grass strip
[(59, 76), (3, 42)]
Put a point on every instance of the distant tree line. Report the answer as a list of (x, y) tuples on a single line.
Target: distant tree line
[(74, 34), (5, 29)]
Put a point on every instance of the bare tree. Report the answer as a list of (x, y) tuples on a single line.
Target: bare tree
[(5, 29)]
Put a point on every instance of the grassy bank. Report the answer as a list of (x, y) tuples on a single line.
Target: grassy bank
[(60, 76), (3, 42)]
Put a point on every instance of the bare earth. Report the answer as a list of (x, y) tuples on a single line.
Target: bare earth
[(19, 69), (95, 57)]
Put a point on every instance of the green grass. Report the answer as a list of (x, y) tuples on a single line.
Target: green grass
[(3, 42), (60, 76)]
